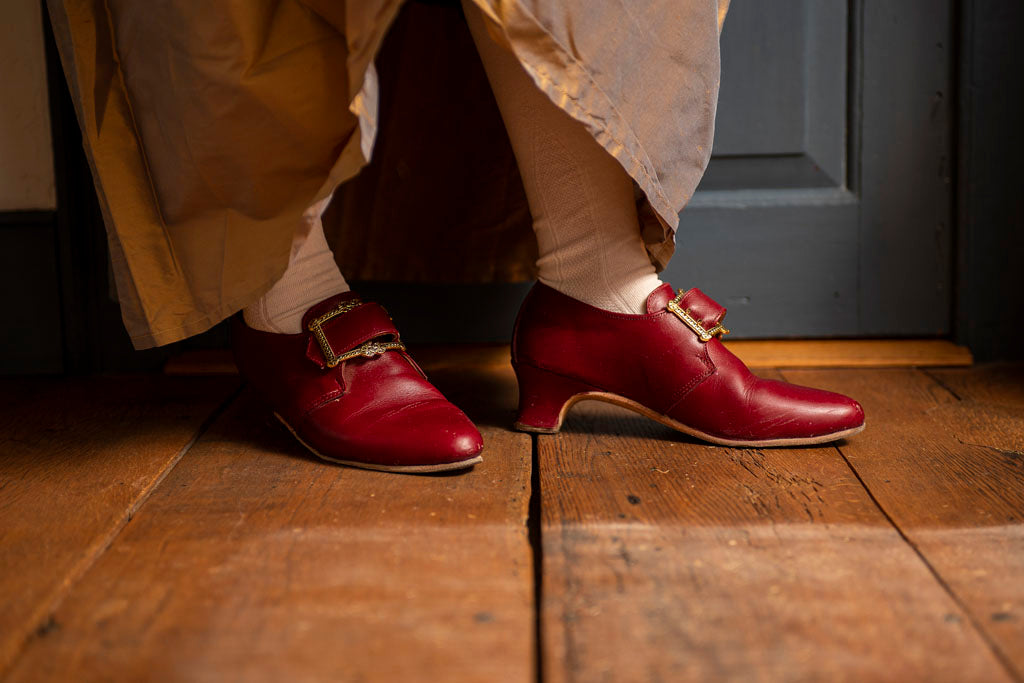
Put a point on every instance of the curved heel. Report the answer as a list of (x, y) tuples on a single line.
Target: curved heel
[(544, 397)]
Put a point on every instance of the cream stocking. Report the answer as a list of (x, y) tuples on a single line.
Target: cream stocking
[(312, 276), (581, 199)]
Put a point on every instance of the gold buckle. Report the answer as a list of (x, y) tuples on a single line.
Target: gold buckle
[(369, 349), (693, 323)]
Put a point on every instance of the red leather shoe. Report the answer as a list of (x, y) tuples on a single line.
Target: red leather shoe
[(667, 364), (349, 392)]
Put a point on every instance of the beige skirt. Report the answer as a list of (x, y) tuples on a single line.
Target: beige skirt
[(211, 127)]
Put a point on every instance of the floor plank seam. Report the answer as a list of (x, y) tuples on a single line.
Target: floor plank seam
[(938, 380), (535, 535), (41, 623), (1000, 656)]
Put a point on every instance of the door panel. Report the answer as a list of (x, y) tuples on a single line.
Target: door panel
[(826, 206), (763, 112), (783, 95), (758, 267)]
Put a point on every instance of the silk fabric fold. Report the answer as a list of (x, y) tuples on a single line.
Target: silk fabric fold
[(211, 127)]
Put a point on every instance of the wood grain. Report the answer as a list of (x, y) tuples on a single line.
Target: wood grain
[(989, 410), (946, 464), (253, 561), (78, 457), (669, 560)]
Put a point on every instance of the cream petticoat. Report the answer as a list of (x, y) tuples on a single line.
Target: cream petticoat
[(210, 127)]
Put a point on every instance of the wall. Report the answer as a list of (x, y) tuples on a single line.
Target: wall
[(32, 335), (26, 156), (990, 251)]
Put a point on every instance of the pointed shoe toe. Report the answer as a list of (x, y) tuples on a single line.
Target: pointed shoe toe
[(668, 364), (844, 415), (790, 414), (348, 390), (452, 439), (426, 436)]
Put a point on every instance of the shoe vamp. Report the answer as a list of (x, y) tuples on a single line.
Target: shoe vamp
[(387, 408), (427, 431), (765, 409)]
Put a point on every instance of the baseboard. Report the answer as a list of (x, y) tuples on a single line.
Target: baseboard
[(770, 353)]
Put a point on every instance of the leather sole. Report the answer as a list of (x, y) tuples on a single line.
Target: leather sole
[(408, 469), (680, 427)]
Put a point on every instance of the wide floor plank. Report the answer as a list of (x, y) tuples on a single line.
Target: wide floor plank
[(989, 406), (255, 562), (78, 456), (944, 457), (669, 560)]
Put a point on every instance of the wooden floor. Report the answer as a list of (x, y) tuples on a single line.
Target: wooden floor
[(165, 528)]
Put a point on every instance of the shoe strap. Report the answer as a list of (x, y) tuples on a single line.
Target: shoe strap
[(350, 329), (700, 313)]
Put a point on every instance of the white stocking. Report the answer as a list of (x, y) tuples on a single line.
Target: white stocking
[(312, 276), (581, 199)]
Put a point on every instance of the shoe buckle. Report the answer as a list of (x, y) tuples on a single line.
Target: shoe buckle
[(369, 349), (694, 324)]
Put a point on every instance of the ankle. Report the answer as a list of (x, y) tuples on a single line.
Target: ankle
[(281, 309), (627, 295), (311, 277)]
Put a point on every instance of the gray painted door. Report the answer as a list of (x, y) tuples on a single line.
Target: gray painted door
[(827, 207)]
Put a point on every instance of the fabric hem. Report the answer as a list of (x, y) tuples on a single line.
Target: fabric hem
[(169, 335)]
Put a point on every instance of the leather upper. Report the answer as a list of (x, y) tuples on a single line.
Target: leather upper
[(658, 361), (380, 410)]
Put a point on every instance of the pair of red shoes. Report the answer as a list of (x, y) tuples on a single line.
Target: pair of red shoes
[(349, 391)]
